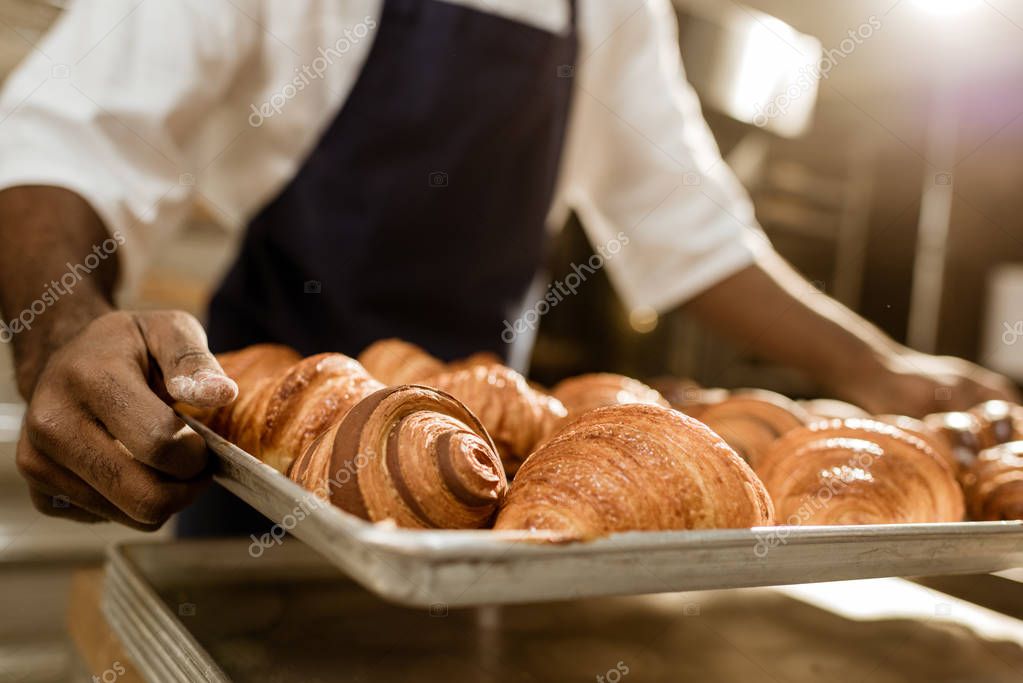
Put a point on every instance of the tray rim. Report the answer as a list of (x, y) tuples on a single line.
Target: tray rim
[(137, 591), (423, 567), (456, 543), (129, 597)]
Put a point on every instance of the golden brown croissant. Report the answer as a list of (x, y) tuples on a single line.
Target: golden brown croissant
[(585, 392), (751, 420), (437, 467), (283, 406), (252, 367), (997, 420), (486, 358), (251, 364), (410, 454), (517, 416), (634, 467), (675, 390), (964, 433), (246, 367), (994, 483), (702, 401), (858, 472), (831, 409), (686, 395), (393, 361), (306, 400), (920, 429)]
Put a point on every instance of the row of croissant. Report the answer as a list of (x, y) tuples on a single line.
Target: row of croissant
[(401, 436)]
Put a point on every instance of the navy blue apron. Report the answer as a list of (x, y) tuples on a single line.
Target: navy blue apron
[(420, 213)]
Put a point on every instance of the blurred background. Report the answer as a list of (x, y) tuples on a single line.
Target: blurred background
[(880, 140), (881, 143)]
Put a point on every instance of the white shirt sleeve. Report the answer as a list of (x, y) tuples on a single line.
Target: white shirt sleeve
[(641, 161), (109, 104)]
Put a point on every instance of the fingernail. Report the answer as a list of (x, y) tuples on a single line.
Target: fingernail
[(204, 375), (204, 387)]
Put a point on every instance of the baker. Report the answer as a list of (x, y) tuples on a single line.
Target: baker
[(393, 164)]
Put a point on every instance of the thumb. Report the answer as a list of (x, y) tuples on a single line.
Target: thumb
[(178, 343)]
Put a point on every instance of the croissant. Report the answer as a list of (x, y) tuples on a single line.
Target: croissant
[(830, 409), (702, 401), (486, 358), (634, 467), (246, 367), (964, 432), (686, 396), (675, 390), (586, 392), (994, 483), (752, 419), (252, 368), (393, 361), (437, 465), (517, 416), (410, 454), (304, 401), (251, 364), (921, 430), (858, 472), (998, 420), (284, 401)]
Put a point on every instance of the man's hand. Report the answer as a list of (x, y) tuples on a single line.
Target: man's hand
[(776, 313), (99, 441), (916, 384)]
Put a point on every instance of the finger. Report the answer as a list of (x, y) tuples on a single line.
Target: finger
[(105, 465), (977, 389), (61, 506), (178, 343), (997, 387), (123, 402), (984, 385), (58, 492)]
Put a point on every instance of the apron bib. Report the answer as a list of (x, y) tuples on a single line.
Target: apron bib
[(420, 214)]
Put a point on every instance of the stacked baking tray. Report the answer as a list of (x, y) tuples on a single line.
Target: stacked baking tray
[(149, 588), (453, 568), (207, 611), (150, 632)]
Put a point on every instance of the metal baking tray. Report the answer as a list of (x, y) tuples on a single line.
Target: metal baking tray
[(149, 589), (463, 568), (205, 611)]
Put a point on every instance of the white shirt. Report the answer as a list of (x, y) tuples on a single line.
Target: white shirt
[(145, 107)]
